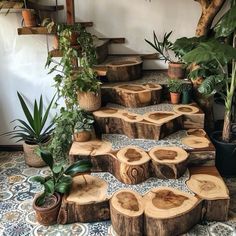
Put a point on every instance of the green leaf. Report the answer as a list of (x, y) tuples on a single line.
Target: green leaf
[(47, 157), (57, 168), (38, 179), (37, 123), (227, 23), (26, 111), (79, 167), (63, 186), (49, 187)]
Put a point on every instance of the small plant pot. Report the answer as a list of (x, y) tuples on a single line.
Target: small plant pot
[(89, 101), (29, 18), (174, 98), (82, 136), (186, 97), (176, 70), (48, 213)]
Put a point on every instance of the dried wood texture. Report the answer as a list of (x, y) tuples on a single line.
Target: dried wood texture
[(169, 162), (127, 208), (153, 125), (119, 69), (215, 193), (86, 202), (11, 5), (132, 95), (170, 212), (196, 132), (196, 142), (209, 11)]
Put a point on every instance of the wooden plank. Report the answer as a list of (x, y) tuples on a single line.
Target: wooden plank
[(11, 5), (114, 40), (153, 56), (70, 12), (41, 7), (43, 30)]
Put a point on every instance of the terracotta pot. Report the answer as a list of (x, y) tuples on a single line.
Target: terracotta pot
[(47, 215), (89, 101), (31, 158), (29, 18), (55, 42), (176, 70), (175, 98), (82, 136)]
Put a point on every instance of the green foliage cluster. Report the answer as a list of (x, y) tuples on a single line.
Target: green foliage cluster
[(84, 122), (174, 86), (33, 129), (60, 179)]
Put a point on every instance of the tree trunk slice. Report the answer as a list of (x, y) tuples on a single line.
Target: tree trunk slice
[(196, 142), (121, 68), (86, 202), (185, 109), (196, 132), (127, 209), (154, 125), (215, 194), (169, 211), (132, 95), (168, 162)]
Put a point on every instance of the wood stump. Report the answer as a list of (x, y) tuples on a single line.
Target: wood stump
[(132, 95), (170, 212), (153, 125), (118, 69), (127, 208), (196, 142), (185, 109), (86, 202), (196, 132), (168, 162), (132, 166), (215, 193)]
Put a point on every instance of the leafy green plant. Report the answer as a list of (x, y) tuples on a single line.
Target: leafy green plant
[(33, 130), (60, 179), (163, 47), (174, 86), (85, 122)]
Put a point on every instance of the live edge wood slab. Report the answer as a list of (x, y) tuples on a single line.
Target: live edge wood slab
[(150, 125), (163, 211)]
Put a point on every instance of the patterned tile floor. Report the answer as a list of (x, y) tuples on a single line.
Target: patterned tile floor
[(17, 216)]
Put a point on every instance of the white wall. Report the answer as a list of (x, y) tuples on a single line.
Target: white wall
[(22, 58)]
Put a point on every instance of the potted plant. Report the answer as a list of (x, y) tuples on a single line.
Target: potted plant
[(176, 69), (29, 16), (83, 127), (217, 56), (175, 88), (47, 204), (33, 131), (186, 93)]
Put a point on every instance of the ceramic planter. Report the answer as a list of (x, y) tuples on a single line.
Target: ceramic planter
[(29, 18), (186, 97), (82, 136), (176, 70), (225, 155), (89, 101), (174, 98), (48, 213)]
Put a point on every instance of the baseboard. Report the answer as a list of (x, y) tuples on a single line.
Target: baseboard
[(11, 148)]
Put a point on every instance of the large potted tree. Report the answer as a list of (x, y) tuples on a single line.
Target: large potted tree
[(217, 56), (33, 130)]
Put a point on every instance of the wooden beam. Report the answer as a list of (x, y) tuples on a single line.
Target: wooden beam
[(153, 56), (11, 5), (114, 40), (70, 12)]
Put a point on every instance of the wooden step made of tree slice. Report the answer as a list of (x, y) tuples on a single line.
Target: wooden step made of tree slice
[(132, 166), (86, 202), (193, 117), (168, 162), (155, 125), (196, 142), (170, 212), (132, 95), (127, 210), (121, 68), (196, 132), (215, 194)]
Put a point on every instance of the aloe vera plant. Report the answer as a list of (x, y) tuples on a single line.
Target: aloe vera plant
[(60, 179), (33, 129)]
